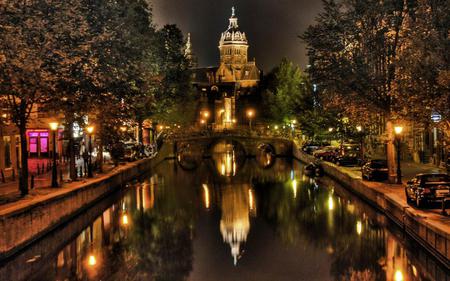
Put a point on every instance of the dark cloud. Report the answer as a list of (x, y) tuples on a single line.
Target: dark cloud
[(272, 26)]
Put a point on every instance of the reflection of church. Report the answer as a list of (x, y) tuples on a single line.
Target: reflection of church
[(235, 198), (220, 87)]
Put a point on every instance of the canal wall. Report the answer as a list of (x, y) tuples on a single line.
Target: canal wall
[(28, 220), (431, 234)]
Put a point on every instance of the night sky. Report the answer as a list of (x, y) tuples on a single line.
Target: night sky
[(271, 26)]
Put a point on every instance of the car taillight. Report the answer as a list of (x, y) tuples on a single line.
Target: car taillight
[(426, 190)]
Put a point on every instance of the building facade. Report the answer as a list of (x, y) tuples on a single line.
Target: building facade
[(221, 87)]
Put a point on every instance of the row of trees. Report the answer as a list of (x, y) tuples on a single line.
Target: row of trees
[(389, 57), (386, 60), (101, 59), (288, 96)]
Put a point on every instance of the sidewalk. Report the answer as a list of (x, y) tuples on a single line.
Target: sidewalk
[(409, 170), (9, 191)]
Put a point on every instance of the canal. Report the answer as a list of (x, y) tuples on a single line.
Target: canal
[(226, 218)]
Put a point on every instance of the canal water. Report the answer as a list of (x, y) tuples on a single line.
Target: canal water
[(226, 218)]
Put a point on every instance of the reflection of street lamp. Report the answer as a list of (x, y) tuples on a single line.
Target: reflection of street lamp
[(359, 227), (125, 221), (398, 275), (54, 128), (90, 130), (250, 115), (92, 260), (330, 203), (398, 131)]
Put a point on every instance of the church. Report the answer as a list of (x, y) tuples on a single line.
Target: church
[(220, 87)]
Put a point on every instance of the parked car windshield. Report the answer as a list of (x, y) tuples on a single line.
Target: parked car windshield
[(436, 178), (378, 164)]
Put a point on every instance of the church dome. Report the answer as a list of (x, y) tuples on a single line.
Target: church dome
[(233, 35)]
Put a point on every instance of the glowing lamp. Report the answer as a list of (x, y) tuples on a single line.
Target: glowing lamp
[(53, 126), (398, 130), (90, 129), (398, 276), (92, 261), (125, 219)]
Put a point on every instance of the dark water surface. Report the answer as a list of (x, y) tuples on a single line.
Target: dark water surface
[(227, 219)]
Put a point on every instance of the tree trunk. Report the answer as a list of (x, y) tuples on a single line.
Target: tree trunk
[(390, 152), (140, 131), (100, 155), (23, 171), (72, 160)]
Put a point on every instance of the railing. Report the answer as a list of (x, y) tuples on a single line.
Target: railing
[(239, 131)]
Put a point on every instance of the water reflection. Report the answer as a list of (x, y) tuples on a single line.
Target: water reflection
[(236, 205), (265, 155), (227, 156), (260, 224)]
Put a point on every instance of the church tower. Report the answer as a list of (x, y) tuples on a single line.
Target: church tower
[(234, 64), (233, 44), (189, 53)]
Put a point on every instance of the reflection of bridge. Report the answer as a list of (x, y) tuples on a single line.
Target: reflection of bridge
[(251, 144)]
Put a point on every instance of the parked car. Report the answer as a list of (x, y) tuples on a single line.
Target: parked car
[(349, 159), (345, 149), (310, 147), (326, 153), (130, 151), (375, 169), (424, 188)]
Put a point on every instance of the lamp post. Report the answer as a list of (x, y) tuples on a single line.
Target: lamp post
[(250, 115), (204, 118), (54, 128), (330, 132), (293, 123), (361, 140), (398, 131), (90, 130)]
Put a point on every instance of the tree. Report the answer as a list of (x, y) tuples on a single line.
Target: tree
[(289, 95), (354, 54), (174, 95), (24, 79), (424, 62), (72, 63)]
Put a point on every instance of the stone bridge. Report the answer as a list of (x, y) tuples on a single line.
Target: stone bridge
[(251, 145)]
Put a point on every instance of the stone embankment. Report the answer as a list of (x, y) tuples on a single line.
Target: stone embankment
[(429, 229), (28, 220)]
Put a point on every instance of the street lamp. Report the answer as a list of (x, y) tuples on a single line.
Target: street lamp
[(359, 129), (250, 115), (90, 130), (398, 131), (54, 128), (293, 123)]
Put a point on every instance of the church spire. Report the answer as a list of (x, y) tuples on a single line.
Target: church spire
[(233, 19), (189, 53), (188, 48)]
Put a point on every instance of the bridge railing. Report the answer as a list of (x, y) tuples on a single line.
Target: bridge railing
[(240, 131)]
